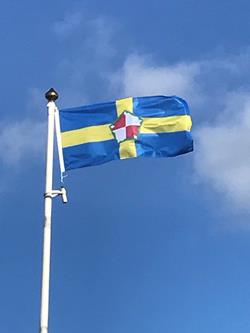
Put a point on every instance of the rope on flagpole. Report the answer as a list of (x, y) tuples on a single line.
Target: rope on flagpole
[(59, 144), (51, 96)]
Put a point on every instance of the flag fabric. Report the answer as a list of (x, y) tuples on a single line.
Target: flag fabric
[(154, 126)]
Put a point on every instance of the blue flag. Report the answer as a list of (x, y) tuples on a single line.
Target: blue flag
[(155, 126)]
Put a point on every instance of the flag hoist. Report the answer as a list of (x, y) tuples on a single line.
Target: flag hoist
[(49, 194)]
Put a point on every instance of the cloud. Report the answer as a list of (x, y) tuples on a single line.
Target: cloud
[(216, 89), (20, 141), (139, 76), (103, 61), (222, 157), (84, 68)]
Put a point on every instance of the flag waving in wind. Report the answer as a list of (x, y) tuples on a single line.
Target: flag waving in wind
[(155, 126)]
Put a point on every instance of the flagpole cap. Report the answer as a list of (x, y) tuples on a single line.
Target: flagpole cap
[(51, 95)]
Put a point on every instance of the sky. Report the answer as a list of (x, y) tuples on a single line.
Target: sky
[(144, 245)]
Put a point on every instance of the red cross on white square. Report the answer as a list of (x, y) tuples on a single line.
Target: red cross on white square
[(126, 127)]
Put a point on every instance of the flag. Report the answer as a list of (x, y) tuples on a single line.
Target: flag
[(153, 126)]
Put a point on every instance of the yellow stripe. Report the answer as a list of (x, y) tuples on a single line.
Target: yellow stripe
[(127, 148), (86, 134), (125, 104), (166, 124)]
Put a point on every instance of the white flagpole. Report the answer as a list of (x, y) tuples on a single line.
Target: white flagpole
[(51, 96), (44, 318)]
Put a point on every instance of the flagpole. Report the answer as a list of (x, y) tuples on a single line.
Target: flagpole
[(51, 96)]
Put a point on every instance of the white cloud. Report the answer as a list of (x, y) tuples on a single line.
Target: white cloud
[(218, 93), (222, 157), (21, 140), (139, 77), (216, 90), (85, 66)]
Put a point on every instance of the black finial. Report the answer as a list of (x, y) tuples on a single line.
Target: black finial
[(51, 95)]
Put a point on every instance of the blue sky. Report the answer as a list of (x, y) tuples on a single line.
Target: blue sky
[(155, 245)]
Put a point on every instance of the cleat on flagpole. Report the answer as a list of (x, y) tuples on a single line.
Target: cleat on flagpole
[(64, 195), (54, 193)]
